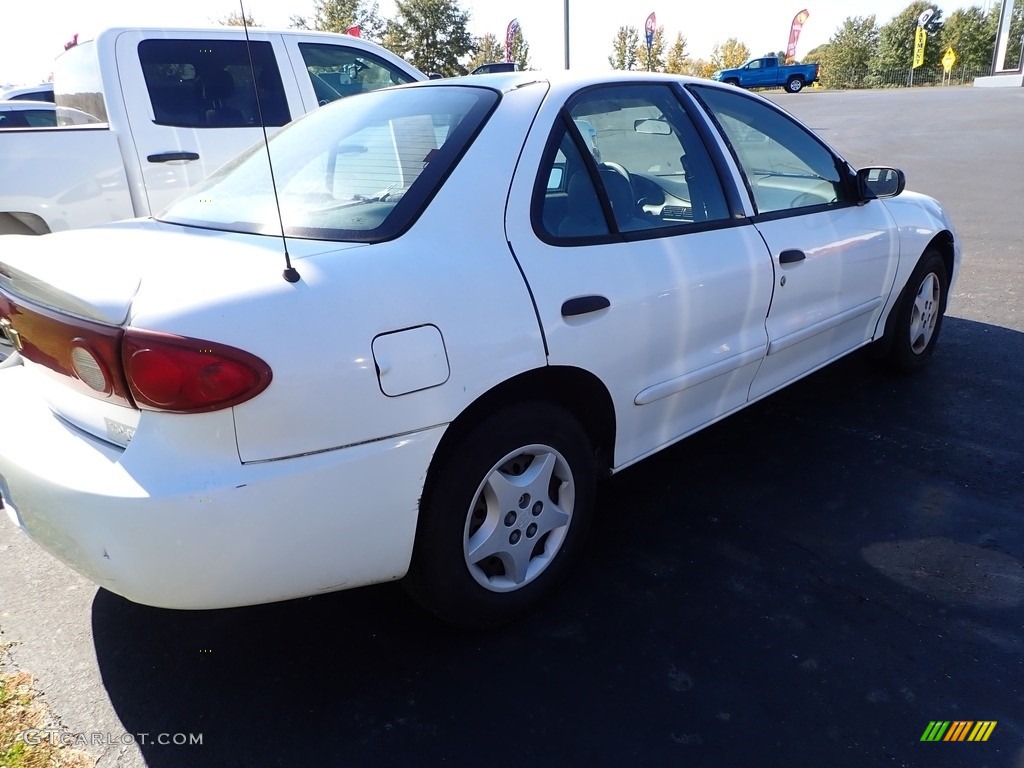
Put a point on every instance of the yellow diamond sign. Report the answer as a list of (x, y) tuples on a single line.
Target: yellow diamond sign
[(948, 59)]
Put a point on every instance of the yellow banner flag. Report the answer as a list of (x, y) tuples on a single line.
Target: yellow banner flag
[(920, 38)]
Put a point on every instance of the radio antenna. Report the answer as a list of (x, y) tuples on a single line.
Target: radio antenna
[(290, 273)]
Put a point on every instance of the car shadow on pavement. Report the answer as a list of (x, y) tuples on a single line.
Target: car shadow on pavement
[(811, 581)]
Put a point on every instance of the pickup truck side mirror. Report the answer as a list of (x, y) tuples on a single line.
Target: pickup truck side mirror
[(880, 182)]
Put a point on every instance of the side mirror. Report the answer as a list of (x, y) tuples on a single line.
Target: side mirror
[(880, 182)]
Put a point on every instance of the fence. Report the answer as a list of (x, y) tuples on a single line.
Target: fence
[(900, 78)]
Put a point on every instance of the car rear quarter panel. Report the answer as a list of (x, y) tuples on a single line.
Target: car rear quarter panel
[(452, 270)]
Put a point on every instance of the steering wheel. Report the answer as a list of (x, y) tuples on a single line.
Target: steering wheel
[(619, 169)]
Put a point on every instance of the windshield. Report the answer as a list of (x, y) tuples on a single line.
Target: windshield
[(360, 169)]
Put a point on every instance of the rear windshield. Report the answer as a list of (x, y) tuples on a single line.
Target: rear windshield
[(361, 169)]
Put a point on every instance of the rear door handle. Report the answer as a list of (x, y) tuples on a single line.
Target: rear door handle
[(168, 157), (583, 305), (791, 257)]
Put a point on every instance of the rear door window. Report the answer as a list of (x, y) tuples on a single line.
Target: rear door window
[(211, 83)]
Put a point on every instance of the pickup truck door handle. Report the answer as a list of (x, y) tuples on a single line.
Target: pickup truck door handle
[(167, 157), (791, 257), (583, 305)]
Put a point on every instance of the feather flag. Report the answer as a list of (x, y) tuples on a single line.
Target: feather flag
[(510, 36), (794, 34)]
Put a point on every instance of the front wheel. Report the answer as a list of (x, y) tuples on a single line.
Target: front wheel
[(732, 81), (918, 320), (795, 84), (504, 516)]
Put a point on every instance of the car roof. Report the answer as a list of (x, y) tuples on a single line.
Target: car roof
[(25, 104), (253, 32), (570, 79), (563, 83), (256, 33), (7, 93)]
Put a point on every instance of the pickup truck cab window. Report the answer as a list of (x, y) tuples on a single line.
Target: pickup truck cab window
[(336, 72), (210, 83)]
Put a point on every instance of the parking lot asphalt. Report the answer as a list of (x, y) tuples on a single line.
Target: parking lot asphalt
[(810, 582)]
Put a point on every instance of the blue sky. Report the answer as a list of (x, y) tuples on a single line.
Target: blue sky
[(33, 33)]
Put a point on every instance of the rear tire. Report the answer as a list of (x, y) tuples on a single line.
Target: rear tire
[(504, 516), (795, 84), (915, 330)]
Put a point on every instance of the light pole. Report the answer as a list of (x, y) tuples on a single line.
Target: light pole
[(566, 34)]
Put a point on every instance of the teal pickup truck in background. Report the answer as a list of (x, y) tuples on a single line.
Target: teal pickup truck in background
[(766, 72)]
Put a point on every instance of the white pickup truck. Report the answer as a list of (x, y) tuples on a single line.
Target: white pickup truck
[(174, 105)]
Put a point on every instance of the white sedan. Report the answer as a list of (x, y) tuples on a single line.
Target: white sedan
[(474, 311)]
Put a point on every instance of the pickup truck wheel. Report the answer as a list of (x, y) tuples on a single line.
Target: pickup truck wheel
[(918, 316), (795, 84), (731, 81), (504, 516)]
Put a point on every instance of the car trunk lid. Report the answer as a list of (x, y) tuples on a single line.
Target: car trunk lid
[(68, 302)]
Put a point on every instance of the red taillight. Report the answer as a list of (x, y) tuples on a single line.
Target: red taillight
[(84, 354), (183, 375)]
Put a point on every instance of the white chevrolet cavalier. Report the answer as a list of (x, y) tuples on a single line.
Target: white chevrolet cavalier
[(487, 307)]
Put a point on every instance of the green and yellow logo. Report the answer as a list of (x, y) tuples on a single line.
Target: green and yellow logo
[(958, 730)]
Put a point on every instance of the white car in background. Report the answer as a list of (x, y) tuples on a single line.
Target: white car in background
[(41, 92), (41, 114), (469, 320)]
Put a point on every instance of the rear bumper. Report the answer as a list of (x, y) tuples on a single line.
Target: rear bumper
[(177, 521)]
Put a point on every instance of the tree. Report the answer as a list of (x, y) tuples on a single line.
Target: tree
[(234, 19), (731, 53), (896, 40), (431, 34), (678, 60), (485, 50), (520, 50), (342, 15), (1016, 34), (699, 68), (656, 62), (848, 54), (972, 36), (815, 55), (624, 48)]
